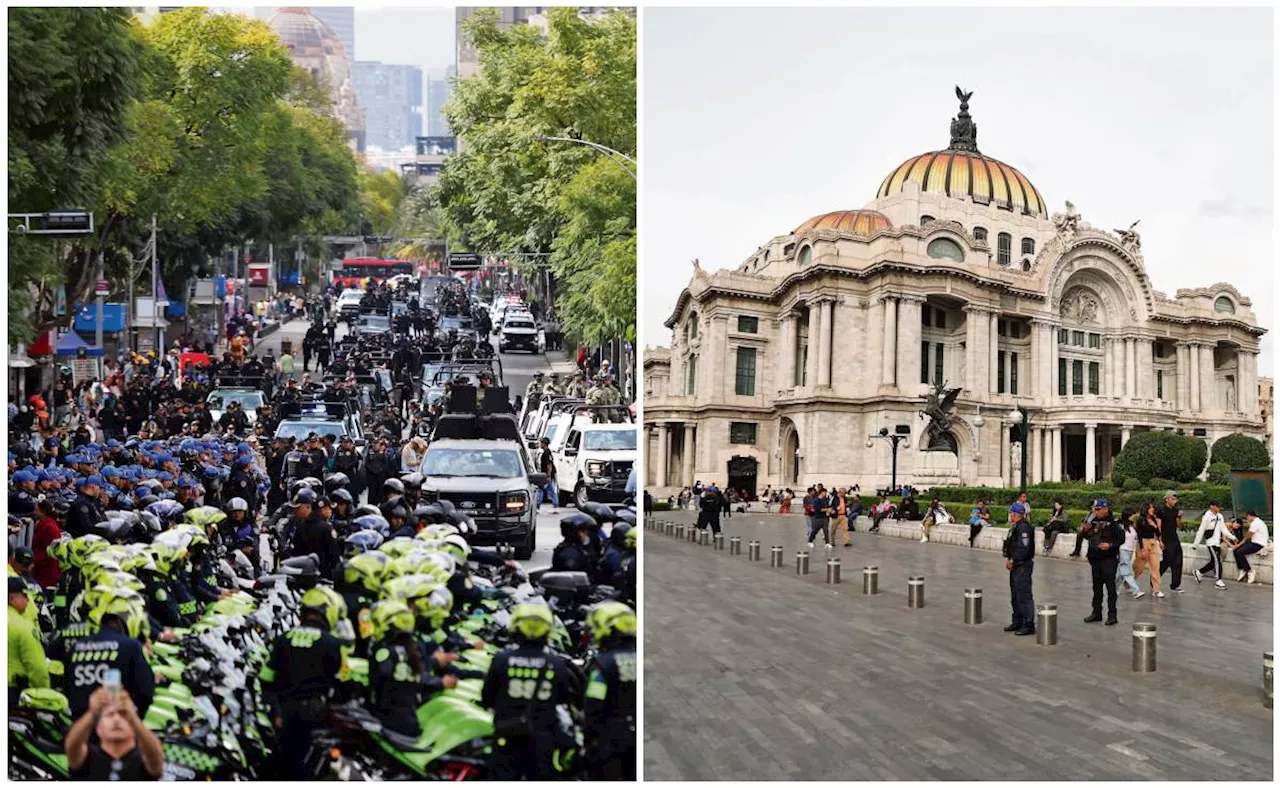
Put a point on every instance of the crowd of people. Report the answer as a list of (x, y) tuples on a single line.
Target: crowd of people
[(139, 523)]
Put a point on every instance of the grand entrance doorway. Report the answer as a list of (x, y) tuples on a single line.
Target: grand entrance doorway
[(1073, 459), (742, 475)]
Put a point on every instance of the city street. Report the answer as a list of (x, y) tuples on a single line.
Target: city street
[(758, 674), (518, 369)]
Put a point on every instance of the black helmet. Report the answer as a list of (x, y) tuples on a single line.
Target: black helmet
[(336, 481), (365, 508), (304, 495), (626, 516), (394, 486), (395, 508), (341, 496), (301, 566), (571, 524), (602, 513), (618, 536), (445, 506), (427, 513)]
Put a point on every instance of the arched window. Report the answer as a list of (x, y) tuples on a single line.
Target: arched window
[(1004, 248), (945, 248), (806, 256), (926, 219), (980, 234), (1028, 246), (1224, 304)]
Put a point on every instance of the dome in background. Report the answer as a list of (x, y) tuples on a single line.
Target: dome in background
[(304, 35), (854, 222), (962, 171)]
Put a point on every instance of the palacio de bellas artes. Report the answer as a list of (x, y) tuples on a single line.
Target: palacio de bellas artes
[(801, 364)]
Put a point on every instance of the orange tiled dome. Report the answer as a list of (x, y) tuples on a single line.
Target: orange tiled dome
[(855, 222), (958, 173)]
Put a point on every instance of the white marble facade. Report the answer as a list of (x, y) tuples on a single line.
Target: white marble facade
[(780, 369)]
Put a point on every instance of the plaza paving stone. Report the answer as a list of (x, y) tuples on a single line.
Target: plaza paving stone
[(753, 673)]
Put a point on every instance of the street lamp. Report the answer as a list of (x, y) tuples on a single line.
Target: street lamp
[(901, 433), (613, 155), (1021, 418)]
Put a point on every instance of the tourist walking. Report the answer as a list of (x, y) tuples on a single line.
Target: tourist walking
[(822, 511), (1149, 554), (1213, 529), (841, 522), (1256, 539), (709, 510), (1170, 517), (785, 506), (1124, 570), (1057, 525), (1105, 537)]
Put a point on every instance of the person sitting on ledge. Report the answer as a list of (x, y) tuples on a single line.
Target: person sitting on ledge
[(908, 509)]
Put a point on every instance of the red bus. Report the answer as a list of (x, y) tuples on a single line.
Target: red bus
[(356, 271)]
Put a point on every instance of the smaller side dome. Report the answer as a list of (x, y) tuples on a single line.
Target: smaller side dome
[(853, 222)]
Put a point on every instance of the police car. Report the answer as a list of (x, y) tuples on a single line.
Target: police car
[(518, 332), (250, 400)]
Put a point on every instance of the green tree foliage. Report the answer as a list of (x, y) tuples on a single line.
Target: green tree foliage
[(1219, 472), (510, 190), (198, 118), (419, 221), (1241, 453), (1158, 454), (380, 196)]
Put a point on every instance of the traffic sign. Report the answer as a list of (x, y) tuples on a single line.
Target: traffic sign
[(464, 261), (103, 287)]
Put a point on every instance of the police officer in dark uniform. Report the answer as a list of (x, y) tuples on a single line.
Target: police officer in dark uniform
[(572, 554), (21, 501), (347, 460), (523, 687), (114, 646), (626, 581), (313, 534), (609, 709), (305, 668), (1020, 553), (615, 551), (1105, 535), (241, 484), (87, 509)]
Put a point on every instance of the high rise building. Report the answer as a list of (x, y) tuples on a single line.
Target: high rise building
[(392, 99), (438, 91), (342, 18)]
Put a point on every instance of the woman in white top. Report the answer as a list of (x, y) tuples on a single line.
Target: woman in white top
[(1213, 530), (1255, 540), (1124, 570)]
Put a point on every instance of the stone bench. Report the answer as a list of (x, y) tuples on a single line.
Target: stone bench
[(992, 538)]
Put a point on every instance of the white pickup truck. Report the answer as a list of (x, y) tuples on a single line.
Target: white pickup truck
[(593, 460)]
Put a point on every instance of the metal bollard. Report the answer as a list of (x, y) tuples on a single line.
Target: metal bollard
[(833, 571), (670, 528), (735, 545), (753, 550), (697, 534), (802, 562), (679, 530), (870, 580), (1268, 674), (704, 538), (775, 556), (1047, 625), (719, 541), (973, 606), (1144, 648), (915, 592)]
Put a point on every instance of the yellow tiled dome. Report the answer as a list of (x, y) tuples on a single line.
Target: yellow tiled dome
[(855, 222)]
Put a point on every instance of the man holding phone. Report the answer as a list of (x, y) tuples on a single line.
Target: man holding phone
[(124, 749)]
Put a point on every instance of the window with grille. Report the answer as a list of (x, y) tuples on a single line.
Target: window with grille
[(1013, 373), (1159, 384), (938, 351), (1095, 341), (748, 324), (1093, 377), (1000, 372), (1077, 338), (979, 233), (1062, 377), (1028, 246), (1063, 335), (745, 383), (691, 377), (924, 362), (1004, 248), (1077, 377), (742, 432)]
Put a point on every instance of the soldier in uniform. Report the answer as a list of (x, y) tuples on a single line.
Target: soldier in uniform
[(578, 386), (1020, 553), (534, 389)]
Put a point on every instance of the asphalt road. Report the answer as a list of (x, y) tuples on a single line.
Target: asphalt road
[(518, 369)]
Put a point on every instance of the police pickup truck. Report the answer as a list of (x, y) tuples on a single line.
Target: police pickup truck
[(594, 451), (476, 462)]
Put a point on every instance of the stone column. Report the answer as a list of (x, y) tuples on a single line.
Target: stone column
[(1004, 465), (1033, 361), (1110, 369), (1130, 380), (1193, 380), (1090, 453), (1247, 385), (664, 447), (1056, 456), (993, 350), (814, 351), (1035, 453), (1146, 368), (1181, 367), (888, 378), (689, 455), (1208, 380), (909, 337), (975, 332), (824, 344), (787, 354), (1053, 362)]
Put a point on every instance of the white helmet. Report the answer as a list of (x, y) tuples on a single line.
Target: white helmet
[(461, 550), (237, 505)]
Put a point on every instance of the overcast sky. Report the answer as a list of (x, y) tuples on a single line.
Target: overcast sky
[(405, 36), (757, 119)]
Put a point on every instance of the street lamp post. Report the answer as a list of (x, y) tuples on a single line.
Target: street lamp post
[(1022, 418), (901, 434), (617, 157)]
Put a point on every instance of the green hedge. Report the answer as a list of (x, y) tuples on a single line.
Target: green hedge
[(1159, 454), (1219, 473), (1241, 452), (1081, 497), (660, 506)]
